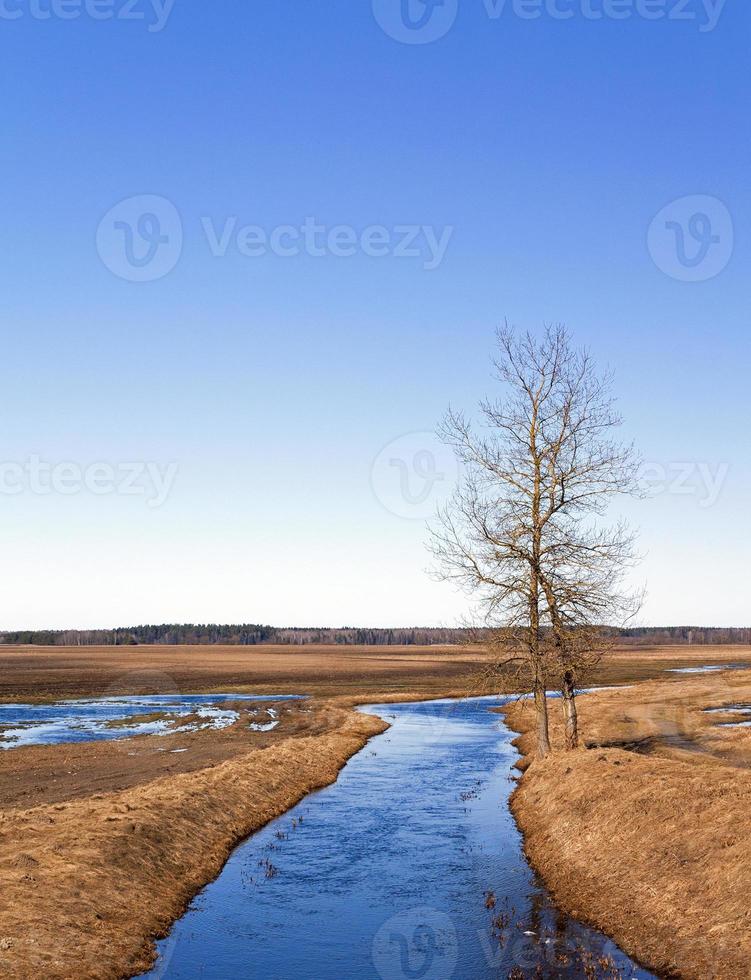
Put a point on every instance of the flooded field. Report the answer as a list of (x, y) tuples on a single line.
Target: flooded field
[(409, 866), (122, 717)]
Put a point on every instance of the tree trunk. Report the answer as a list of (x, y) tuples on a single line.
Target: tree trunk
[(541, 702), (541, 711), (570, 719), (568, 681)]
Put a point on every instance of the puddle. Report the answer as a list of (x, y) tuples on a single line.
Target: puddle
[(731, 709)]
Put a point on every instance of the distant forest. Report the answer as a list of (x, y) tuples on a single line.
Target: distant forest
[(252, 634)]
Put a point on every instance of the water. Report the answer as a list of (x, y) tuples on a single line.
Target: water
[(731, 709), (706, 668), (91, 719), (385, 875)]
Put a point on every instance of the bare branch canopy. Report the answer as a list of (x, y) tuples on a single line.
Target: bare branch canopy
[(524, 533)]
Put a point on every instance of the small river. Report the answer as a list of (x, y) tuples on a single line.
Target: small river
[(409, 867)]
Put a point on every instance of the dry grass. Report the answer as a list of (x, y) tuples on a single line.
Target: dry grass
[(650, 843), (85, 885), (39, 774)]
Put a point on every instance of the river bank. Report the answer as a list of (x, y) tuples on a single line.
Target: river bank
[(645, 831), (85, 885)]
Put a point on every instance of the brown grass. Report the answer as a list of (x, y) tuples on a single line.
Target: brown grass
[(650, 838), (84, 885)]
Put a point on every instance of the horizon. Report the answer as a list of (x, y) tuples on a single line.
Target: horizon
[(413, 627)]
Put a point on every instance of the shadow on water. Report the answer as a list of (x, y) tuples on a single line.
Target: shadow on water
[(409, 867)]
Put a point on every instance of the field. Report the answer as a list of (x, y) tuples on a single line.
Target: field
[(102, 844), (56, 672), (43, 673)]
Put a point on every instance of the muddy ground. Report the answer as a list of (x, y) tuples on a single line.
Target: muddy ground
[(39, 774)]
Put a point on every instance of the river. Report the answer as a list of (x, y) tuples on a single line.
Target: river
[(409, 867)]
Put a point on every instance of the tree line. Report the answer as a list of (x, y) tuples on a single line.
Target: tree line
[(246, 634), (253, 634)]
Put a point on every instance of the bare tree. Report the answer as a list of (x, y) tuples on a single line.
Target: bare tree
[(521, 532)]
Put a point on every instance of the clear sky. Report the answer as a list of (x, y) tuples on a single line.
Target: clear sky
[(518, 158)]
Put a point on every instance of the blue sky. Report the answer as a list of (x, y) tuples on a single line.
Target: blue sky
[(542, 148)]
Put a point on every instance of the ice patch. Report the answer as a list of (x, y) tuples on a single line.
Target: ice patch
[(259, 726)]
